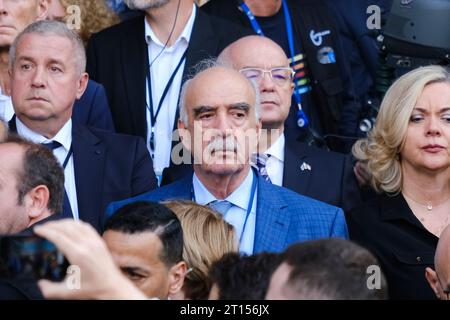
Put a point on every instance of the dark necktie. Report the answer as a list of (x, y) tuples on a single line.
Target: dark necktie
[(67, 210)]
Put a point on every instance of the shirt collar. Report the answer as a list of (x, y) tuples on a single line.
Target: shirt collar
[(64, 136), (239, 197), (7, 103), (277, 149), (185, 34)]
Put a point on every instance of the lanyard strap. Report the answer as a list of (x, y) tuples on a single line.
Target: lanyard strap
[(251, 17), (302, 119), (154, 115), (290, 36), (250, 204)]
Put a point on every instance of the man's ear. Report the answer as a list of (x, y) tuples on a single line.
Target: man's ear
[(36, 202), (82, 84), (433, 281), (42, 9), (185, 136), (176, 278)]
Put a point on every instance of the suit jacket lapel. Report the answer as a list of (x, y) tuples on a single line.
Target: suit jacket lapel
[(272, 220), (134, 61), (89, 164), (293, 177)]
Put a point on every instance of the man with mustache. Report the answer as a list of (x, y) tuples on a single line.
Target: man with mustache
[(221, 104), (282, 159), (47, 63)]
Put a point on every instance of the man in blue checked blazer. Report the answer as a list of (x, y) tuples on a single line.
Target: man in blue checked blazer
[(219, 123)]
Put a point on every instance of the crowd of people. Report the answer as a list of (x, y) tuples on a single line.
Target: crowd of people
[(179, 150)]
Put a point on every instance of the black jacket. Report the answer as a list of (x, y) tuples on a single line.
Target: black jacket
[(388, 228), (117, 58)]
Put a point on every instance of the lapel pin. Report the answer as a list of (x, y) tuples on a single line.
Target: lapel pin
[(305, 166)]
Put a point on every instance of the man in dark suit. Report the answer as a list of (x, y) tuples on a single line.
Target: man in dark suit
[(91, 109), (47, 75), (219, 122), (322, 175), (307, 32), (172, 37)]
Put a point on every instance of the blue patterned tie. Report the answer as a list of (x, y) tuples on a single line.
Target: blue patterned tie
[(67, 210), (221, 206), (261, 161)]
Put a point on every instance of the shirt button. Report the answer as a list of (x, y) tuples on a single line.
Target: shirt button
[(419, 259)]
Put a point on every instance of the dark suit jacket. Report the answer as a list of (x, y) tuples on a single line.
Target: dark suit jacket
[(108, 167), (283, 217), (388, 228), (92, 108), (117, 58), (19, 289), (331, 178)]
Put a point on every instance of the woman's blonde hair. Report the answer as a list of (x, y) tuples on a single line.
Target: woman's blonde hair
[(380, 150), (207, 237), (95, 16)]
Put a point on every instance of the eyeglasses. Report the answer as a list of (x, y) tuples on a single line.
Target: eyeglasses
[(279, 76)]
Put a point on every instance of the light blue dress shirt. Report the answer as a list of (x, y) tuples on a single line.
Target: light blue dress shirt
[(235, 216)]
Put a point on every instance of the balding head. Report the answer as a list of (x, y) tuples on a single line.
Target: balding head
[(439, 280), (442, 256), (247, 52), (275, 97), (205, 78), (219, 107)]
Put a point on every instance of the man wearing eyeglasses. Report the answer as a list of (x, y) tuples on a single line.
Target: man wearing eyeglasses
[(439, 279), (281, 158)]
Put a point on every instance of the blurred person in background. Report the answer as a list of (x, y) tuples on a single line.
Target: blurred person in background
[(207, 237)]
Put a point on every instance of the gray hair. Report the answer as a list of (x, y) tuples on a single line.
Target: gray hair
[(200, 67), (47, 28)]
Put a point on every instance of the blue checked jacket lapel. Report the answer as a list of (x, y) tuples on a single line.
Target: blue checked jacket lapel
[(272, 220)]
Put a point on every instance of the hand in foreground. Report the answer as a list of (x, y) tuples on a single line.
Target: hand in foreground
[(99, 277)]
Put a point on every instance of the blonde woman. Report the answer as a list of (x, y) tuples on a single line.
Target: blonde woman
[(207, 237), (408, 156)]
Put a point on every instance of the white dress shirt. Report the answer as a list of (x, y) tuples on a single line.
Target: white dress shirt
[(161, 71), (64, 136), (275, 164), (6, 107), (235, 216)]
